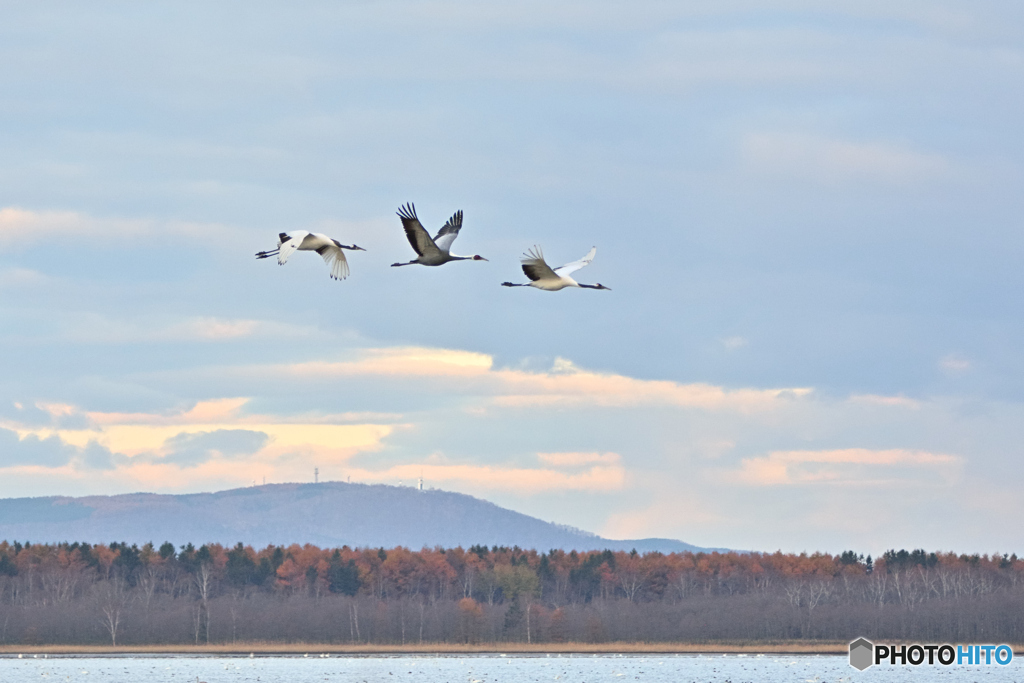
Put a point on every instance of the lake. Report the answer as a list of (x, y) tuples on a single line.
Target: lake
[(479, 669)]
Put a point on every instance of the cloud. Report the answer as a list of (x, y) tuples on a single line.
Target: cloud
[(96, 457), (733, 343), (334, 442), (639, 521), (833, 160), (20, 228), (212, 443), (65, 416), (570, 471), (692, 462), (203, 412), (93, 328), (197, 447), (887, 401), (565, 384), (400, 361), (568, 385), (21, 277), (577, 459), (847, 466), (50, 452), (18, 413), (955, 364), (230, 410), (502, 478)]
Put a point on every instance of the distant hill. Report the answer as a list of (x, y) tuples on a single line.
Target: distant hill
[(328, 514)]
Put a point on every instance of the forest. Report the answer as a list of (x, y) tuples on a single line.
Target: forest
[(116, 594)]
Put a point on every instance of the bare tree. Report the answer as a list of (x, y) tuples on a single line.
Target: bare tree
[(468, 574), (203, 580), (354, 621), (147, 583), (113, 600), (4, 580)]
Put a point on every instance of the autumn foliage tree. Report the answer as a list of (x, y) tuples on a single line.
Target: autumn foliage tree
[(120, 593)]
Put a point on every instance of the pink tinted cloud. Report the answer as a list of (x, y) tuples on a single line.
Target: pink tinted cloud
[(577, 459), (847, 465), (519, 479)]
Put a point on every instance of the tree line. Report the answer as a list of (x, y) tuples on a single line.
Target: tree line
[(77, 593)]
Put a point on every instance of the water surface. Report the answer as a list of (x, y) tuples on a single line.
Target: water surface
[(480, 669)]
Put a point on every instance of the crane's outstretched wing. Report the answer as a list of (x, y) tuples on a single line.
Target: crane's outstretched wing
[(335, 259), (535, 267), (287, 243), (418, 237), (447, 234), (569, 268)]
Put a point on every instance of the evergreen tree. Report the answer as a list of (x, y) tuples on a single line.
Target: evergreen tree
[(342, 577)]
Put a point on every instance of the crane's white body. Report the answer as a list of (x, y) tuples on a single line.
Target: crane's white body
[(544, 277), (436, 251), (301, 240)]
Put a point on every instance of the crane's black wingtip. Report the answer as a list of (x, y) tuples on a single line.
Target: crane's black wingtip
[(407, 211)]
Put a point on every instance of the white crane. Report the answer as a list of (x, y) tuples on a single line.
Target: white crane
[(301, 240), (431, 252), (543, 277)]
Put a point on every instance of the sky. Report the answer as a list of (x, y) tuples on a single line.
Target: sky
[(809, 216)]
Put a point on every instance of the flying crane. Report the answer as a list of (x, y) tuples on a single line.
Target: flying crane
[(431, 252), (301, 240), (543, 277)]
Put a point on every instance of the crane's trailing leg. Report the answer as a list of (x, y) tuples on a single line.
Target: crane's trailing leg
[(267, 254)]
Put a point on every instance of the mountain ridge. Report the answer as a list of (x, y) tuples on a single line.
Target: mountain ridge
[(330, 514)]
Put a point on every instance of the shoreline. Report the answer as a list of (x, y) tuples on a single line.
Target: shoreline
[(316, 649), (334, 649)]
